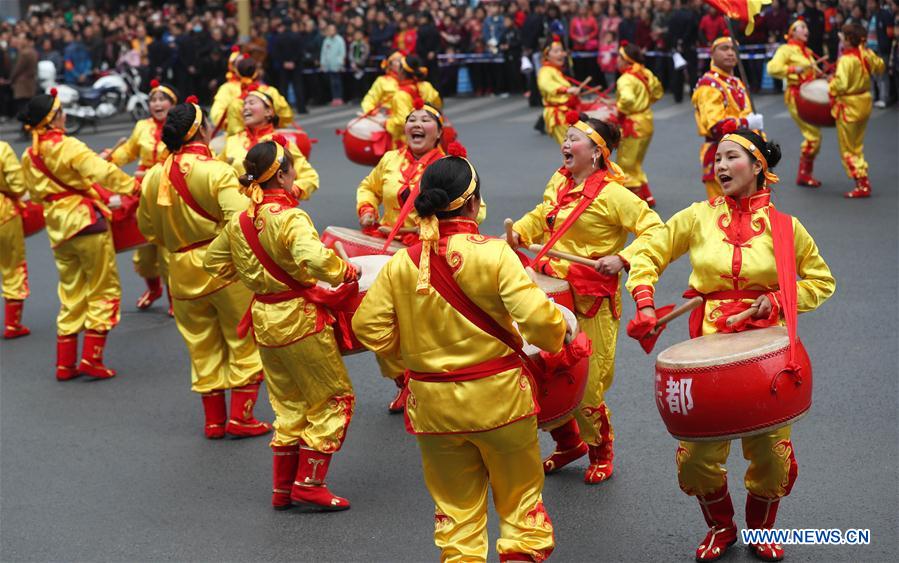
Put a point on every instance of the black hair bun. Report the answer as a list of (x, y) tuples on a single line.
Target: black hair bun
[(772, 153), (429, 202)]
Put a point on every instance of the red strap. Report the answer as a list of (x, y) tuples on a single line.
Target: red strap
[(42, 166), (470, 373), (180, 184), (408, 173), (442, 280), (785, 259), (639, 76), (592, 187)]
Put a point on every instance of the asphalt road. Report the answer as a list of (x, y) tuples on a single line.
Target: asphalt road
[(119, 470)]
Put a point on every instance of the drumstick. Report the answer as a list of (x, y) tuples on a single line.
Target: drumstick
[(401, 231), (740, 317), (681, 309), (531, 273), (118, 144), (537, 248), (509, 232), (341, 251)]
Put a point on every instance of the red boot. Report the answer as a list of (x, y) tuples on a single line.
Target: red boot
[(718, 510), (13, 322), (601, 467), (398, 404), (215, 412), (646, 195), (309, 487), (760, 515), (284, 471), (66, 357), (569, 447), (805, 177), (168, 293), (242, 423), (92, 356), (154, 292), (862, 189)]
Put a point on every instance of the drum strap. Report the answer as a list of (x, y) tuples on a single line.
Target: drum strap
[(785, 259), (176, 176), (95, 204), (592, 187), (410, 187)]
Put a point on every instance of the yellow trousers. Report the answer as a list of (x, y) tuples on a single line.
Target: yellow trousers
[(811, 134), (458, 469), (557, 132), (772, 465), (13, 268), (631, 153), (89, 290), (310, 392), (852, 146), (219, 358), (151, 261)]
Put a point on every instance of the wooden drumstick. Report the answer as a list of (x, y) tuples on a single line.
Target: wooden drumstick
[(118, 144), (401, 231), (510, 238), (531, 273), (537, 248), (740, 317), (681, 309), (341, 251)]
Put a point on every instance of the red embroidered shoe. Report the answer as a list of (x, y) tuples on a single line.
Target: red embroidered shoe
[(718, 511), (284, 471), (862, 189), (760, 514), (569, 447), (91, 363), (242, 423), (309, 487), (601, 467), (646, 195), (805, 175), (154, 292), (215, 411), (398, 404), (13, 327), (515, 557), (66, 357)]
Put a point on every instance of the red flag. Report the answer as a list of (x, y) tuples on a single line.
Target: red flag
[(743, 10)]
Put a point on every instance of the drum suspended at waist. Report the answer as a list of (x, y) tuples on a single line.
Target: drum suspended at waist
[(343, 327), (813, 104), (357, 243)]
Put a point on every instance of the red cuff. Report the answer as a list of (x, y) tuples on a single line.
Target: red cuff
[(350, 273), (644, 296), (367, 209)]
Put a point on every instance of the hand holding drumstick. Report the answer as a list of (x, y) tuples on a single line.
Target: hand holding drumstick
[(760, 309)]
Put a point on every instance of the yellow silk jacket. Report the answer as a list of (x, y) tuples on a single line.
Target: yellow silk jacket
[(396, 321), (795, 63), (229, 102), (290, 238), (635, 96), (601, 230), (851, 84), (553, 85), (380, 93), (402, 104), (12, 183), (74, 163), (717, 98), (145, 143), (227, 93), (214, 186), (237, 146), (731, 248)]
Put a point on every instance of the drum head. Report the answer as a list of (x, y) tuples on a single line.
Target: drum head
[(364, 128), (551, 286), (570, 318), (217, 144), (816, 91), (722, 349), (358, 237), (371, 267)]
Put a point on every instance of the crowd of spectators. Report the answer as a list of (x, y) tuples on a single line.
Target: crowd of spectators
[(326, 50)]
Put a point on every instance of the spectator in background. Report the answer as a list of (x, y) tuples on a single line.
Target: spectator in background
[(50, 53), (510, 46), (814, 19), (23, 76), (333, 56), (381, 34), (77, 60), (880, 22), (584, 33), (643, 36), (407, 35), (532, 34), (359, 53), (556, 24), (427, 46), (627, 29), (287, 56), (683, 27), (213, 66), (312, 45), (712, 26)]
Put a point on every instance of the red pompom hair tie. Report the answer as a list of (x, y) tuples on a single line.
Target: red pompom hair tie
[(235, 48), (192, 99), (456, 149), (280, 139), (572, 117), (154, 83), (556, 38), (418, 103), (624, 43), (53, 92), (253, 87)]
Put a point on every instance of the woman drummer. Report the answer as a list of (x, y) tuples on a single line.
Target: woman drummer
[(636, 90), (385, 86), (730, 244), (60, 171), (470, 406), (413, 86), (145, 145), (259, 120), (308, 385), (559, 95), (227, 114), (797, 64), (13, 267), (392, 186), (586, 211), (850, 88)]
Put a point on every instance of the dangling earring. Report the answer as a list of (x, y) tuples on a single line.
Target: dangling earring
[(594, 160)]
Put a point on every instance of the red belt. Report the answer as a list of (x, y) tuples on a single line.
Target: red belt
[(198, 244), (62, 195), (280, 297), (470, 373), (696, 317)]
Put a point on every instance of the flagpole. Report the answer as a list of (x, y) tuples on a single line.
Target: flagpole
[(743, 75)]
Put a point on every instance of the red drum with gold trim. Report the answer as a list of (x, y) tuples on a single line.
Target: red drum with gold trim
[(813, 103), (125, 234), (365, 139), (300, 138), (559, 391), (32, 218), (343, 328), (601, 109), (557, 290), (726, 386), (357, 243)]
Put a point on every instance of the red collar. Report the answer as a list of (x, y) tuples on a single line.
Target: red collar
[(426, 158), (255, 134), (756, 201), (797, 43), (279, 196), (54, 135), (458, 225), (196, 147)]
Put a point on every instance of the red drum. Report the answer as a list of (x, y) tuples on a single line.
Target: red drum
[(297, 135), (32, 218), (365, 139), (726, 386), (559, 391), (602, 110), (813, 103), (125, 234), (557, 290), (356, 243), (343, 328)]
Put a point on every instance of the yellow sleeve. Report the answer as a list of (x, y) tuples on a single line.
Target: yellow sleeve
[(226, 189), (875, 63), (401, 107), (655, 88), (299, 235), (839, 84), (371, 188), (375, 322), (12, 171), (636, 217), (779, 65), (218, 261), (627, 94), (307, 177), (373, 97), (130, 150), (144, 218), (93, 168), (550, 83), (816, 284), (663, 247), (531, 228), (282, 109), (539, 320), (220, 105), (430, 95), (709, 104)]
